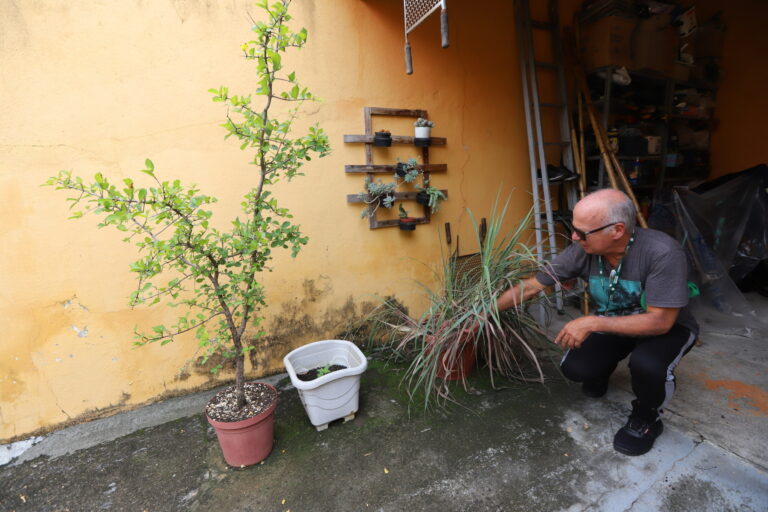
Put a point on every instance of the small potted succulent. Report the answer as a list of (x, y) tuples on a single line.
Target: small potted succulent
[(408, 170), (423, 132), (406, 223), (382, 138), (429, 196), (377, 193)]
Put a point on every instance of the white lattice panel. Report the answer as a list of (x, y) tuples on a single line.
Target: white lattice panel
[(417, 10)]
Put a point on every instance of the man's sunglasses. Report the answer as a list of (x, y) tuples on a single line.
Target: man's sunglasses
[(583, 234)]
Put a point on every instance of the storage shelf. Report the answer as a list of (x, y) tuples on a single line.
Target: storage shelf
[(689, 118), (628, 157)]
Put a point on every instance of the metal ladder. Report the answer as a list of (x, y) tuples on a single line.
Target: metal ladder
[(529, 67)]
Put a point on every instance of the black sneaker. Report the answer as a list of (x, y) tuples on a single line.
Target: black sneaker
[(595, 388), (638, 435)]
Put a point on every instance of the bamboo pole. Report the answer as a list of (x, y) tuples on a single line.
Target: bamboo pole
[(582, 152)]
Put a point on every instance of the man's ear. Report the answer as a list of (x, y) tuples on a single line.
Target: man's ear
[(620, 230)]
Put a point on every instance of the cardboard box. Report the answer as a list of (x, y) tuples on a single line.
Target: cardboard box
[(680, 72), (606, 42), (709, 40), (653, 45)]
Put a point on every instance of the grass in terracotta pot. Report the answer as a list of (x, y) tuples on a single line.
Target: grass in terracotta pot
[(212, 274), (406, 223), (438, 341)]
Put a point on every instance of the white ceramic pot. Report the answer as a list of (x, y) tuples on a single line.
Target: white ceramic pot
[(334, 395), (423, 132)]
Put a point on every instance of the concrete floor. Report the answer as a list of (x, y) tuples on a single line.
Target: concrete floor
[(523, 447)]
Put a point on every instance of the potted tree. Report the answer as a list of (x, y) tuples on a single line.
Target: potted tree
[(377, 194), (214, 274), (406, 223), (382, 138), (422, 132), (429, 196)]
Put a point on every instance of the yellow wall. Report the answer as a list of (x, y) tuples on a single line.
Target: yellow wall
[(100, 86)]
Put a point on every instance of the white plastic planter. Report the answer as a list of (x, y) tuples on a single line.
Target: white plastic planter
[(334, 395), (422, 132)]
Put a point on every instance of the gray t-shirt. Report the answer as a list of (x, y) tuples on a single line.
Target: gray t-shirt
[(654, 270)]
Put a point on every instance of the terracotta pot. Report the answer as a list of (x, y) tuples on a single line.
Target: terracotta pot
[(249, 441), (461, 367), (407, 223)]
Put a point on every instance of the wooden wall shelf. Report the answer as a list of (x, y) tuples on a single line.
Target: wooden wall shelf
[(396, 139), (371, 169), (355, 198), (389, 168)]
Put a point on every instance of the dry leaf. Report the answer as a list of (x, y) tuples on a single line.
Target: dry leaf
[(386, 471), (283, 502), (23, 498)]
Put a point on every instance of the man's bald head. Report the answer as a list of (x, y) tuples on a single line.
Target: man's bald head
[(608, 205)]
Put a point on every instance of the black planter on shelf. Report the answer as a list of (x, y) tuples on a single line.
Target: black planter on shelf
[(421, 143), (422, 198), (401, 169), (381, 200), (407, 224), (382, 139)]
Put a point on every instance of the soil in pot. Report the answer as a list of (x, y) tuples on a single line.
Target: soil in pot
[(223, 406), (314, 372)]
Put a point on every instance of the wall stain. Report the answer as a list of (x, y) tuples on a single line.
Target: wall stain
[(214, 360), (299, 322), (742, 396)]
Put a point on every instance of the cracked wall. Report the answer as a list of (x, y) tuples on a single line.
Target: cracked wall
[(100, 87)]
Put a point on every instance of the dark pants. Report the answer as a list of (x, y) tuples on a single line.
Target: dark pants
[(652, 362)]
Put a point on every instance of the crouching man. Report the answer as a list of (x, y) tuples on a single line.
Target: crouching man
[(638, 280)]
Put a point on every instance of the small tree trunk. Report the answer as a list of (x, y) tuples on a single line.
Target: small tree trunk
[(239, 369), (240, 381)]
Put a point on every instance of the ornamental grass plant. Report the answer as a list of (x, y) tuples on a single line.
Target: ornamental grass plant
[(462, 311)]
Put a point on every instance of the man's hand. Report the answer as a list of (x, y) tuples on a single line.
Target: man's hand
[(651, 323), (573, 334)]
